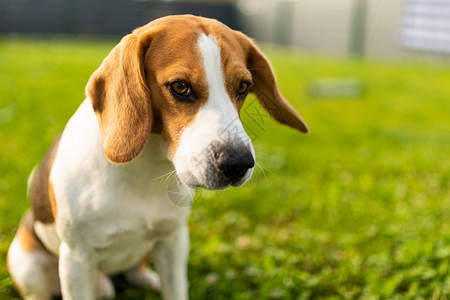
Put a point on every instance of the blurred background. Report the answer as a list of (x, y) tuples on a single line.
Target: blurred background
[(381, 28), (359, 209)]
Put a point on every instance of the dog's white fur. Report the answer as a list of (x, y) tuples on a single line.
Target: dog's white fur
[(109, 216), (117, 206)]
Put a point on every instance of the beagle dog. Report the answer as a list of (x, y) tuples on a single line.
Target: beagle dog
[(166, 100)]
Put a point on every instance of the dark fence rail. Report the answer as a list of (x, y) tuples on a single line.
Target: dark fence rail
[(100, 17)]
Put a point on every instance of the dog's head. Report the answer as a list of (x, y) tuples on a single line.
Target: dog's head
[(186, 78)]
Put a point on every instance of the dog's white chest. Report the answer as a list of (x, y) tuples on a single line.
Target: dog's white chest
[(116, 212), (124, 242), (120, 251)]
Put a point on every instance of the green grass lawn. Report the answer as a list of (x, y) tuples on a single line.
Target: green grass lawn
[(358, 209)]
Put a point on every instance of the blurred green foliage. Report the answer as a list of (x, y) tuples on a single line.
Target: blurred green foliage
[(358, 209)]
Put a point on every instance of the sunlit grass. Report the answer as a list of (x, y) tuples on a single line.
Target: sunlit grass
[(359, 208)]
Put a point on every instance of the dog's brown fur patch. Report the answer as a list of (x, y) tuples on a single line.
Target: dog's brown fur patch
[(41, 192)]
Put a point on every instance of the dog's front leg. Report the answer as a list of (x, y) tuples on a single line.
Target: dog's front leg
[(170, 258), (77, 274)]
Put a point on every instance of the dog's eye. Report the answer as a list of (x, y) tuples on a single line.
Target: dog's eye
[(181, 88), (243, 88)]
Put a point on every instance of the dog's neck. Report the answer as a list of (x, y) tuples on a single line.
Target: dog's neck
[(153, 164)]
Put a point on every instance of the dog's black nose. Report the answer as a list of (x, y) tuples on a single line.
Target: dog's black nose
[(234, 163)]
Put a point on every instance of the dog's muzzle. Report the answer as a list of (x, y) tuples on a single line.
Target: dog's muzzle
[(219, 168)]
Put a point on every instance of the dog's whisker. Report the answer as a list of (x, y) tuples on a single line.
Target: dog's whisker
[(262, 170), (265, 168), (165, 175), (170, 176), (262, 155)]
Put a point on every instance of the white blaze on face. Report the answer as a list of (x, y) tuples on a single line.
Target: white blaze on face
[(217, 124)]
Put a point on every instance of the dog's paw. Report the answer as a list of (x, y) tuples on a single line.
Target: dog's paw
[(104, 288), (143, 277)]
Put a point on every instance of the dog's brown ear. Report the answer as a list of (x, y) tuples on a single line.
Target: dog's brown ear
[(266, 89), (120, 97)]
